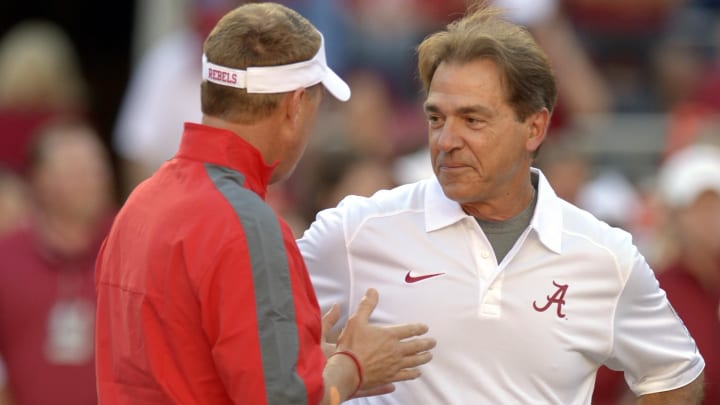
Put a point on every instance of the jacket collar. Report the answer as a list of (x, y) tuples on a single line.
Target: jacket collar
[(225, 148)]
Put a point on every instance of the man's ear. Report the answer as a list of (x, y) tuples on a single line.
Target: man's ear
[(292, 104), (538, 123)]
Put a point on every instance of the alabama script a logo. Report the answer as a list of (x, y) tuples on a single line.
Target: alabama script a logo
[(558, 298)]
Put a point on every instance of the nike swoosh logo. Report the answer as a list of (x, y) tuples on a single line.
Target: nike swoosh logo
[(410, 279)]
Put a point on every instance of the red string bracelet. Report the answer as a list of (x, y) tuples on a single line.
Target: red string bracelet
[(357, 364)]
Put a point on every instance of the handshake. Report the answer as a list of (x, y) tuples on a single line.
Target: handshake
[(368, 359)]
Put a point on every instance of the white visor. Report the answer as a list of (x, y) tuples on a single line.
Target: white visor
[(280, 79)]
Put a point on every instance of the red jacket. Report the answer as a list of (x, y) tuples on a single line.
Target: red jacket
[(203, 296)]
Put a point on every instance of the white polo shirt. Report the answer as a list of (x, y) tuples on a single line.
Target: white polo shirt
[(571, 295)]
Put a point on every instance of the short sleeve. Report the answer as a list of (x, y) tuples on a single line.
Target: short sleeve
[(650, 342)]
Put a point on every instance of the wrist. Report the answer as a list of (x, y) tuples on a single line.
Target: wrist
[(352, 362)]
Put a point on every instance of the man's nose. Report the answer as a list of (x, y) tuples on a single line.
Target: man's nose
[(448, 136)]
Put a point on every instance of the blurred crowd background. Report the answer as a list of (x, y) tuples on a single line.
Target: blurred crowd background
[(93, 96)]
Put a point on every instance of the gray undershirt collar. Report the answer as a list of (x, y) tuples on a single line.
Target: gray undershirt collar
[(503, 234)]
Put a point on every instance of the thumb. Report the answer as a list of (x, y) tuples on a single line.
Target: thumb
[(330, 318), (367, 304)]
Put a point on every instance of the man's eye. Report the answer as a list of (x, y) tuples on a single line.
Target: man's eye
[(474, 121), (434, 120)]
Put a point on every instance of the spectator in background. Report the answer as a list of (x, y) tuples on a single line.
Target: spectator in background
[(40, 80), (47, 293)]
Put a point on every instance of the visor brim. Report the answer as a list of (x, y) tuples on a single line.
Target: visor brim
[(336, 86)]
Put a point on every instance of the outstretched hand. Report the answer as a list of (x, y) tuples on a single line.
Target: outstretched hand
[(387, 353)]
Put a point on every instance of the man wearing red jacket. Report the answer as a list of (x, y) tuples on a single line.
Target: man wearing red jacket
[(203, 296)]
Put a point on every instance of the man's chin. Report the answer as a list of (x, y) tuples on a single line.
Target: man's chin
[(457, 192)]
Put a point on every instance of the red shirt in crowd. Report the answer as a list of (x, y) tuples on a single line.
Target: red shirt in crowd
[(47, 310)]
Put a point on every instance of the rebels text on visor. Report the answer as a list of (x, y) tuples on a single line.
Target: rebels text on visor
[(225, 77)]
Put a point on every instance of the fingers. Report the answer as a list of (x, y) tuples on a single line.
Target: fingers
[(330, 318), (406, 374), (415, 360), (367, 305), (408, 330), (415, 346)]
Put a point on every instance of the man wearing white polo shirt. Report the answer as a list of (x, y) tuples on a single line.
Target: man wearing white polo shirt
[(527, 294)]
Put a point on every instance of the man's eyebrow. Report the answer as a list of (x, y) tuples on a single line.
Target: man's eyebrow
[(430, 107), (476, 108), (479, 109)]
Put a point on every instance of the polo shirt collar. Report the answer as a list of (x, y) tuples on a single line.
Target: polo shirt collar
[(547, 219), (225, 148), (441, 212)]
